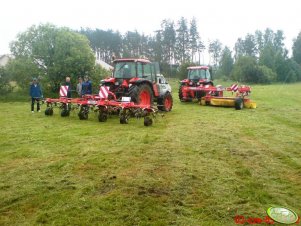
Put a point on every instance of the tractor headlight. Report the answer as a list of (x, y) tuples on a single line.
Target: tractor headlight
[(190, 83), (116, 83), (198, 83)]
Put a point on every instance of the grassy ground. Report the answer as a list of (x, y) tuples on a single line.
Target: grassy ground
[(197, 165)]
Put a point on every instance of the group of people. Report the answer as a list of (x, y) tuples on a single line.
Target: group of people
[(83, 87)]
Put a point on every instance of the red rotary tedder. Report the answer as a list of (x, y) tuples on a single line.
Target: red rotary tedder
[(105, 103)]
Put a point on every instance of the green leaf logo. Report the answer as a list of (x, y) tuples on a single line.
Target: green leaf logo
[(282, 215)]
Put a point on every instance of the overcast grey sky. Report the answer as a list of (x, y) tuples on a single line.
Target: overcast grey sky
[(217, 19)]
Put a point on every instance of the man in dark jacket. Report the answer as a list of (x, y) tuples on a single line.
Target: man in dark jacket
[(68, 83), (86, 86), (36, 94)]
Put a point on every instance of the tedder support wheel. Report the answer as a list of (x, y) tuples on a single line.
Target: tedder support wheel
[(65, 113), (49, 111), (141, 94), (124, 120), (239, 103), (148, 121), (166, 102), (102, 117), (83, 113)]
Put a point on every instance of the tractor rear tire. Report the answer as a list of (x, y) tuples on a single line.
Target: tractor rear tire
[(166, 102), (239, 103), (148, 121), (141, 94)]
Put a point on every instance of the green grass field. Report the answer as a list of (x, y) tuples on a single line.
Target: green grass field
[(197, 165)]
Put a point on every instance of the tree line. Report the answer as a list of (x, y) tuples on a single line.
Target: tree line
[(173, 43), (258, 58), (51, 53)]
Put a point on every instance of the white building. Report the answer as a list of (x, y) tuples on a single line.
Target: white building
[(104, 64), (4, 59)]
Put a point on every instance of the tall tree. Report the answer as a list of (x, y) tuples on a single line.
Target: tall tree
[(297, 49), (239, 48), (168, 41), (226, 62), (194, 38), (55, 52), (182, 41), (250, 45), (215, 48)]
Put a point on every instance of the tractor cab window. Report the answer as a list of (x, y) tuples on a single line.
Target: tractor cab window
[(139, 70), (147, 72), (199, 74), (125, 70), (208, 76)]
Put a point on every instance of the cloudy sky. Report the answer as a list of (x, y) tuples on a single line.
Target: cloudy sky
[(225, 20)]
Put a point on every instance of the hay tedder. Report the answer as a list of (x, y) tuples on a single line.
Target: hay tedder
[(102, 105), (199, 86)]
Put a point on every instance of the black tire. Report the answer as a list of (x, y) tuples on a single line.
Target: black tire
[(239, 103), (123, 120), (102, 117), (83, 116), (83, 113), (132, 92), (148, 121), (166, 102), (49, 111), (136, 90), (181, 93), (65, 113)]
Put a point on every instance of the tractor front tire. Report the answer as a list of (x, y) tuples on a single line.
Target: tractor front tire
[(181, 94), (166, 102)]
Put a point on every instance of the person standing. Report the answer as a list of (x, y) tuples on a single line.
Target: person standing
[(86, 86), (79, 86), (36, 94), (68, 83)]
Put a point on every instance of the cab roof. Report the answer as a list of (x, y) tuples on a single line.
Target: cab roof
[(132, 60), (198, 67)]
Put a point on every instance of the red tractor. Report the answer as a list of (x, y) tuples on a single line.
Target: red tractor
[(197, 75), (140, 80)]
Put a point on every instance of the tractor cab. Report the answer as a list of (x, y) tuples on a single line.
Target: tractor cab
[(140, 80), (198, 75), (134, 68)]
